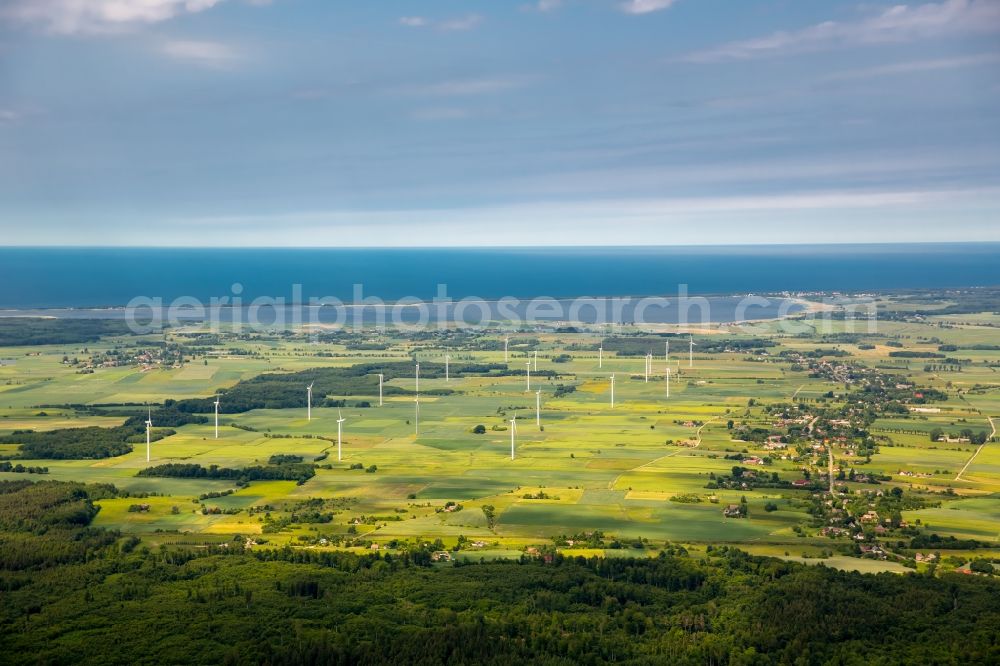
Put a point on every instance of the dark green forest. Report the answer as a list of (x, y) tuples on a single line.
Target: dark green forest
[(86, 596), (94, 442), (16, 331), (288, 390)]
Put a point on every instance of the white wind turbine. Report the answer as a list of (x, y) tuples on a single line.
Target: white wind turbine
[(217, 417), (527, 386), (538, 408), (381, 378), (668, 382), (534, 362), (666, 351), (340, 421), (690, 351), (446, 360), (416, 402), (149, 429), (649, 359), (612, 391), (309, 402), (506, 342), (600, 356), (513, 433)]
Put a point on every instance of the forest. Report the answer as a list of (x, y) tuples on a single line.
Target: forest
[(106, 599), (288, 390), (94, 442), (17, 331)]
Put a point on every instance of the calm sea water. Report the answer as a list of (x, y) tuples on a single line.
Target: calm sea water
[(107, 277)]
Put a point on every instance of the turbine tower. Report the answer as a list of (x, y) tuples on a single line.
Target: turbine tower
[(600, 356), (666, 351), (690, 351), (446, 360), (149, 428), (340, 421), (506, 342), (309, 402), (381, 378), (612, 391), (538, 408), (513, 433), (416, 402), (668, 382), (217, 417), (527, 386), (649, 359), (534, 362)]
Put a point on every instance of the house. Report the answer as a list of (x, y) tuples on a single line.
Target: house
[(800, 483), (441, 556), (732, 511), (870, 517), (374, 546)]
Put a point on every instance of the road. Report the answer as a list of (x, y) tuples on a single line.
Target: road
[(958, 477)]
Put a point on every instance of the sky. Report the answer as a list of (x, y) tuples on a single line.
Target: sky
[(493, 123)]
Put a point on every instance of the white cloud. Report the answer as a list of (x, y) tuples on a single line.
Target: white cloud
[(464, 87), (548, 5), (446, 25), (97, 16), (645, 6), (441, 113), (209, 54), (9, 116), (916, 66), (901, 23)]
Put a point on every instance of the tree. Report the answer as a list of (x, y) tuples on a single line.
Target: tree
[(491, 515), (479, 429)]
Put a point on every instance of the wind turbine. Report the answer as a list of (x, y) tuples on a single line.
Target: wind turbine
[(149, 428), (535, 362), (340, 420), (513, 433), (381, 378), (528, 378), (649, 358), (691, 351), (309, 402), (538, 408), (668, 382), (666, 351), (506, 342), (416, 376), (446, 360), (600, 356), (612, 391), (217, 417), (416, 403)]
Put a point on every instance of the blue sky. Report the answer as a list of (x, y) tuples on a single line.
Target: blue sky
[(593, 122)]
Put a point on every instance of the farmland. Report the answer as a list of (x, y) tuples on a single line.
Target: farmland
[(777, 398)]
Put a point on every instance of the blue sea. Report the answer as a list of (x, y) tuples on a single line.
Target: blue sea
[(33, 278)]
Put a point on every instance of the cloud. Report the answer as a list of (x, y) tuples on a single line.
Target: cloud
[(9, 116), (413, 21), (916, 66), (446, 25), (68, 17), (464, 87), (901, 23), (441, 113), (645, 6), (547, 5), (209, 54)]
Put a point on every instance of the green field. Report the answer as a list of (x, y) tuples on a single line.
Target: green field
[(643, 472)]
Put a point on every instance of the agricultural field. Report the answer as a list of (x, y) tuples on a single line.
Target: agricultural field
[(793, 426)]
